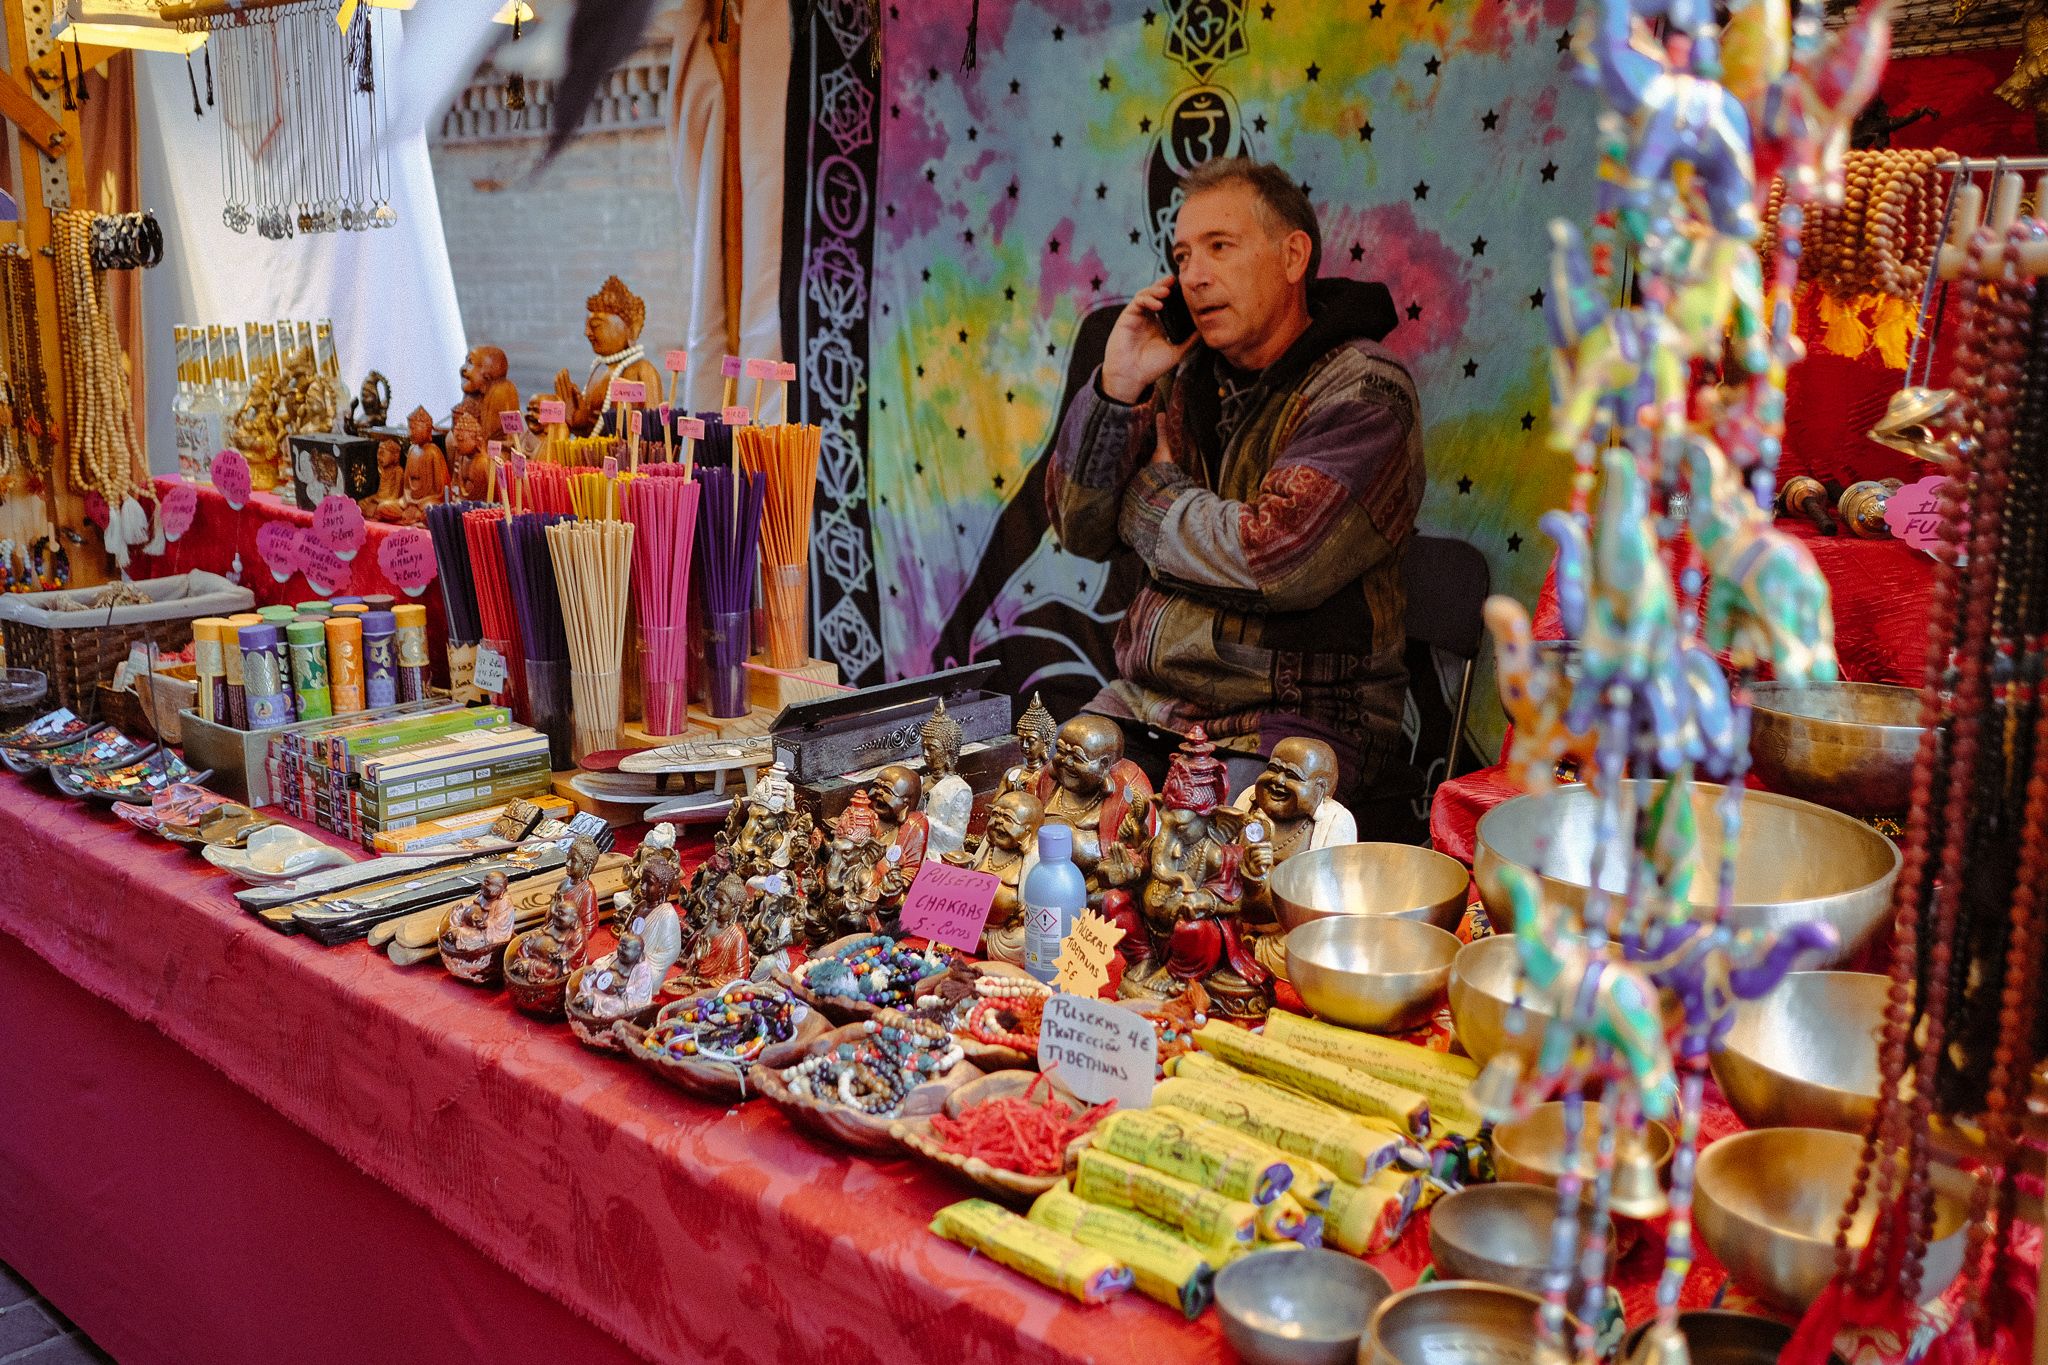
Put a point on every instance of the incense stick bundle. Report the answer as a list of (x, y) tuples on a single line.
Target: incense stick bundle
[(451, 557), (494, 600), (594, 569), (663, 512), (547, 489), (595, 497), (788, 458), (537, 601), (715, 448), (728, 554)]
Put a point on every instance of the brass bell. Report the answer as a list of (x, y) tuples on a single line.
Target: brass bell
[(1637, 1192), (1493, 1090), (1661, 1345)]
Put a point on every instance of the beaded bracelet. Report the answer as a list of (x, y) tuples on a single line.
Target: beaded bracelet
[(735, 1024), (874, 968)]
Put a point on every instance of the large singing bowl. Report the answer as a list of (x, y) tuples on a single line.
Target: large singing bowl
[(1796, 861), (1845, 745), (1400, 880), (1371, 972), (1767, 1202), (1485, 985), (1805, 1055)]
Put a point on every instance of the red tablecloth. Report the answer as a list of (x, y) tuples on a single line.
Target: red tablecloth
[(1881, 590)]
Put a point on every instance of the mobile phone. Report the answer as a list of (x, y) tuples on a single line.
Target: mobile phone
[(1174, 319)]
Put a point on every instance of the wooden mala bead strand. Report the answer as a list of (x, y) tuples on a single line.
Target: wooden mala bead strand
[(103, 447)]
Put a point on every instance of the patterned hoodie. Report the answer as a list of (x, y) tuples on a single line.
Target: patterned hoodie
[(1273, 603)]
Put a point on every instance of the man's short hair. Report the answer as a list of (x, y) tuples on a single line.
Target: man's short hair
[(1281, 204)]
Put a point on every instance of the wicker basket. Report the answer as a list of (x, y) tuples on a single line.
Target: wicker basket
[(80, 649)]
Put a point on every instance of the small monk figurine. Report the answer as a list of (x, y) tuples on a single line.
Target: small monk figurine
[(721, 952), (948, 801), (466, 452), (544, 957), (426, 468), (576, 887), (478, 931), (1035, 731), (485, 384), (1293, 799), (1090, 786), (1005, 843), (905, 832), (613, 330), (388, 502), (619, 984)]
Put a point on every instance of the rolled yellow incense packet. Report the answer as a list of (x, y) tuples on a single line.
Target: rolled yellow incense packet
[(1162, 1265), (1285, 1220), (1333, 1082), (1199, 1152), (1207, 1219), (1056, 1261), (1367, 1219), (1444, 1080), (1350, 1146), (1309, 1180)]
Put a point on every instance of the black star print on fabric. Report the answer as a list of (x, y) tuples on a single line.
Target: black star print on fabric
[(1564, 41), (889, 209), (884, 403), (1266, 11), (1549, 171), (960, 432), (1307, 190), (1149, 17), (998, 482), (892, 12), (1365, 131), (931, 73), (1029, 587), (1059, 34), (1488, 120), (1053, 245), (1102, 191), (1016, 87), (1433, 65), (1012, 190), (919, 466), (895, 111), (963, 334), (1095, 283), (920, 372), (1471, 368), (1145, 124), (1357, 251), (1102, 83), (1465, 484), (1536, 298), (1259, 123), (926, 274), (1379, 8), (1478, 246), (967, 236), (1528, 421), (1515, 544), (1414, 312), (1009, 395), (1314, 72), (1422, 189), (930, 174), (974, 134), (1009, 293), (1050, 349), (1136, 237), (1058, 140)]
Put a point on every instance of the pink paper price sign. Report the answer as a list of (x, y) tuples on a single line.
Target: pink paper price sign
[(692, 427), (677, 361), (949, 905), (1914, 513), (407, 559), (180, 506), (553, 412), (732, 367), (278, 545), (512, 424), (231, 477), (611, 466), (785, 371), (494, 450), (736, 416), (760, 369), (327, 571), (338, 525), (626, 391)]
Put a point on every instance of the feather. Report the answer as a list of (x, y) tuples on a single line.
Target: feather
[(602, 34)]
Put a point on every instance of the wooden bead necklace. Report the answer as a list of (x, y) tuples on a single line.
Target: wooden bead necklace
[(25, 362), (105, 453)]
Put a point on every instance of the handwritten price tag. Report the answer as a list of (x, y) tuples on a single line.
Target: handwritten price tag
[(490, 669), (338, 525), (633, 426), (518, 464), (759, 369), (731, 367), (325, 570), (277, 545), (692, 427), (512, 424), (1914, 513), (1102, 1051), (1082, 968), (785, 371), (552, 412), (180, 506), (494, 451), (626, 391), (407, 559), (735, 416), (949, 905), (677, 361), (611, 466), (231, 476)]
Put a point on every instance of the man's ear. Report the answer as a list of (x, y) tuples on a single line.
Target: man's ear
[(1295, 250)]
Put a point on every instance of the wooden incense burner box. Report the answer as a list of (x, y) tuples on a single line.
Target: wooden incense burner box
[(855, 732), (325, 463)]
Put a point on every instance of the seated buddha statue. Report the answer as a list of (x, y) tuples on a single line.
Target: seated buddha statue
[(426, 467), (1293, 801), (616, 315), (551, 952), (387, 503), (486, 382), (1005, 843), (947, 800), (1106, 799), (1035, 731), (619, 984)]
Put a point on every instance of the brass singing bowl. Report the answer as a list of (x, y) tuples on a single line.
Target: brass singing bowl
[(1531, 1147), (1369, 971), (1805, 1056), (1402, 881), (1716, 1336), (1298, 1308), (1483, 977), (1846, 745), (1766, 1202), (1455, 1320), (1500, 1234), (1796, 861)]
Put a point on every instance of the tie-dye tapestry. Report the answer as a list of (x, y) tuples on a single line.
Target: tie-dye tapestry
[(965, 238)]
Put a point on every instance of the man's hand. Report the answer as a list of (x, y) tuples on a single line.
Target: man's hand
[(1138, 352)]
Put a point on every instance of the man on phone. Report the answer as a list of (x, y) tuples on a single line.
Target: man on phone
[(1267, 471)]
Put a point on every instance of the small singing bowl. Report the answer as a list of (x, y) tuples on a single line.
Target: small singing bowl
[(1483, 984), (1805, 1055), (1767, 1203), (1531, 1148), (1401, 881), (1500, 1234), (1371, 972), (1845, 745), (1298, 1307), (1455, 1320), (1716, 1336)]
